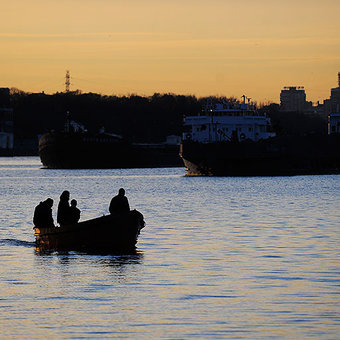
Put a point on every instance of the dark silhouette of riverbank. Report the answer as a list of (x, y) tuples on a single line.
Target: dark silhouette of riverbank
[(137, 118)]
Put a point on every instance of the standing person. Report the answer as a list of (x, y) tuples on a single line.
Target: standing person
[(63, 208), (43, 214), (74, 212), (119, 204)]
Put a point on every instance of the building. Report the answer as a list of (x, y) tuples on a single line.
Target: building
[(173, 140), (334, 123), (332, 105), (6, 124), (332, 109), (293, 99)]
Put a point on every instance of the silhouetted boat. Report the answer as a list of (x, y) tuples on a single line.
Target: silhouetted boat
[(76, 148), (110, 233), (228, 140)]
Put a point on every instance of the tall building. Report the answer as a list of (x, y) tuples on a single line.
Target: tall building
[(332, 105), (293, 99)]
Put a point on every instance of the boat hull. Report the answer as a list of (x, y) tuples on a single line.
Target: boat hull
[(111, 233), (278, 156), (79, 151)]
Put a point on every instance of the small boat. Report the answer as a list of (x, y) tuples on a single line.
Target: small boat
[(110, 234)]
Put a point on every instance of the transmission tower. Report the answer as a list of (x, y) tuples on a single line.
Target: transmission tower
[(67, 81)]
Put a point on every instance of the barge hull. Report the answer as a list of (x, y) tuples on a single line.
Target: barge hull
[(278, 156)]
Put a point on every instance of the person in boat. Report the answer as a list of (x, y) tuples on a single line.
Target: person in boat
[(119, 204), (74, 212), (42, 217), (63, 208)]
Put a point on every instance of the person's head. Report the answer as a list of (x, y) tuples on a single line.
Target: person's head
[(65, 196), (121, 192), (73, 203), (49, 202)]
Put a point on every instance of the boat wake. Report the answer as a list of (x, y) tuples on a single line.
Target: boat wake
[(18, 243)]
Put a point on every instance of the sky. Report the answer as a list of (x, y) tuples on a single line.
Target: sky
[(190, 47)]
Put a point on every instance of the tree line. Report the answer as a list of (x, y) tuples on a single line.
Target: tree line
[(137, 118)]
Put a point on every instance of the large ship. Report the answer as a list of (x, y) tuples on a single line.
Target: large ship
[(76, 148), (235, 140)]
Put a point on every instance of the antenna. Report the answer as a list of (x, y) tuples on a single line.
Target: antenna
[(67, 81)]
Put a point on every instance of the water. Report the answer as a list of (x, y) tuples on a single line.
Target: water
[(238, 258)]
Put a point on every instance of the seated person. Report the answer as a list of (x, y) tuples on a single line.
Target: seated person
[(43, 214), (74, 213), (119, 204)]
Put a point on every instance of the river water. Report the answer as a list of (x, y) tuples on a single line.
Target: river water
[(220, 257)]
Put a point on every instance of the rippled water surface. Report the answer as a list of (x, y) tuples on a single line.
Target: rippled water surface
[(223, 257)]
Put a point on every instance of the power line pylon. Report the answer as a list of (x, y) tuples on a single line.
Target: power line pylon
[(67, 81)]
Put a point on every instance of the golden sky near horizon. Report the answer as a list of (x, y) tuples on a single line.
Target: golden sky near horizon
[(199, 47)]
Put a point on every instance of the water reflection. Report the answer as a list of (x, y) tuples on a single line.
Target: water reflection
[(67, 262), (15, 242), (125, 256)]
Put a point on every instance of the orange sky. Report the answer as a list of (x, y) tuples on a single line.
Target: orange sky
[(215, 47)]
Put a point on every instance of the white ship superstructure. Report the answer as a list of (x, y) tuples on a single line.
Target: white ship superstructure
[(225, 122)]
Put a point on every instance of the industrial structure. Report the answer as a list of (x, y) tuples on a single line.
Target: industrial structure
[(67, 81)]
